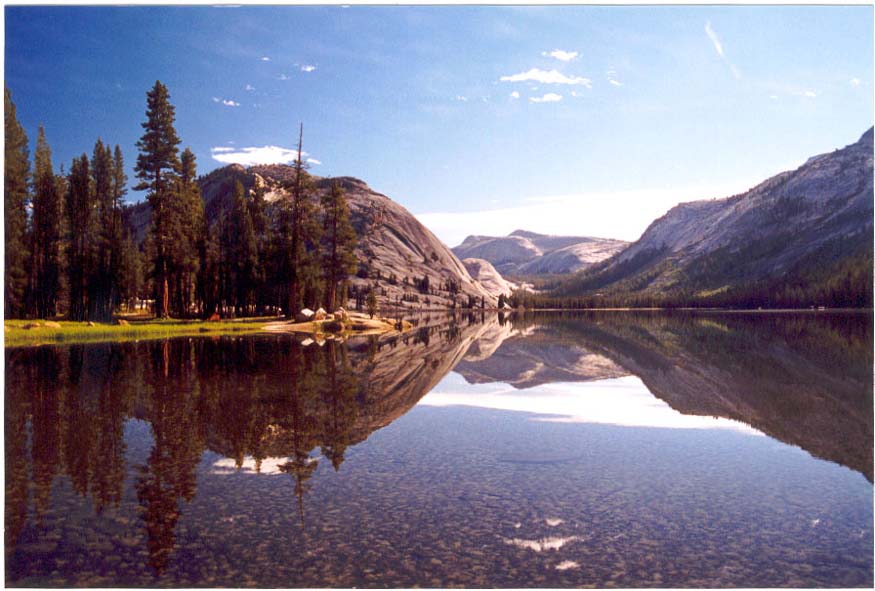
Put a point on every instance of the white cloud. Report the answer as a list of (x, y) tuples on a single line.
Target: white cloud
[(230, 103), (308, 68), (615, 82), (547, 77), (774, 97), (265, 59), (249, 88), (461, 98), (283, 77), (314, 161), (718, 47), (550, 97), (714, 38), (515, 94), (565, 56), (855, 82), (256, 155), (216, 99), (809, 94)]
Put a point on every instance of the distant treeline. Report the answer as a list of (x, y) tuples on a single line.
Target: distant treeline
[(820, 280), (69, 251)]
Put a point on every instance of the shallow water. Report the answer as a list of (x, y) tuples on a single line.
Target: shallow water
[(631, 450)]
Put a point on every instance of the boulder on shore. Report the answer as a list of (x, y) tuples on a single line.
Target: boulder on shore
[(320, 314), (305, 315)]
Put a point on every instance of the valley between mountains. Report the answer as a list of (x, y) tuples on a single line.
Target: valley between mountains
[(802, 238)]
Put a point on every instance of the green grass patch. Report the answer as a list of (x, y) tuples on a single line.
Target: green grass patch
[(23, 333)]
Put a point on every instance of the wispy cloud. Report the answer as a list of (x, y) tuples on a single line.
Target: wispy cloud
[(550, 97), (461, 98), (515, 94), (265, 59), (226, 102), (249, 88), (314, 161), (809, 94), (547, 77), (308, 68), (612, 78), (855, 82), (283, 77), (251, 156), (559, 54), (718, 47)]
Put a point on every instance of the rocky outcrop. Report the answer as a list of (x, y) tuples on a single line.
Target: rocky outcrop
[(523, 253), (398, 252), (485, 274), (814, 215)]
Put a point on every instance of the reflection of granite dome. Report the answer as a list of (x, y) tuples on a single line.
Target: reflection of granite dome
[(386, 378)]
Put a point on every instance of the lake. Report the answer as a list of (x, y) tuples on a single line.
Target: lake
[(541, 450)]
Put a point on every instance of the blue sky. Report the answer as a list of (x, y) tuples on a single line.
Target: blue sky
[(569, 120)]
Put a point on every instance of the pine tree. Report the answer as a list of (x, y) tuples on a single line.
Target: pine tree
[(16, 175), (303, 230), (156, 168), (107, 239), (339, 239), (242, 251), (81, 225), (46, 238), (184, 220)]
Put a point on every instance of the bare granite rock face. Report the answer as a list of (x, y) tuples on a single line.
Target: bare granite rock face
[(399, 249), (528, 253), (484, 273), (763, 232)]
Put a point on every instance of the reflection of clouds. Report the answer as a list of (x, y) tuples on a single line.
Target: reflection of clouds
[(567, 564), (554, 521), (542, 544), (268, 466), (622, 401)]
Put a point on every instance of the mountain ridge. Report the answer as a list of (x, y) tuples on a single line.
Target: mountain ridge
[(794, 231)]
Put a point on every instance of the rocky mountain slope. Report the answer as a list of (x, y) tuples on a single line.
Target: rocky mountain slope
[(484, 273), (795, 228), (398, 248), (523, 253)]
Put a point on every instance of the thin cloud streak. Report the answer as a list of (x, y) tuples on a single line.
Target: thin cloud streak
[(563, 56), (718, 47), (550, 97), (547, 77)]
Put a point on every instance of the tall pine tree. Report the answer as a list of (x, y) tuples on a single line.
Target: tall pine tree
[(338, 244), (82, 227), (157, 165), (46, 236), (303, 234), (16, 175)]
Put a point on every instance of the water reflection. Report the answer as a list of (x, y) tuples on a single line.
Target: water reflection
[(272, 406), (271, 399), (805, 379)]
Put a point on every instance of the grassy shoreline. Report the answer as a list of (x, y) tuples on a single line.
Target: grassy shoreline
[(67, 332)]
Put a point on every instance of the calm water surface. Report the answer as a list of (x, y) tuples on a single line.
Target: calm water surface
[(631, 450)]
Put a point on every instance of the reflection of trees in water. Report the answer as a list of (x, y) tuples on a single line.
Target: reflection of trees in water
[(269, 397)]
